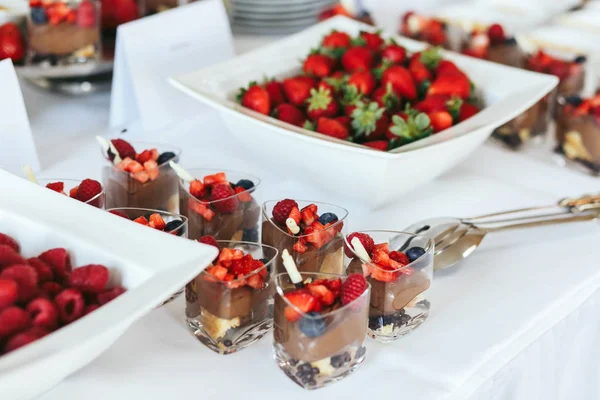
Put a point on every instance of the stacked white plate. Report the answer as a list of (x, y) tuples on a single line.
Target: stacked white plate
[(276, 17)]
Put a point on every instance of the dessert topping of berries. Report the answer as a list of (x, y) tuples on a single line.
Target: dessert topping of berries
[(215, 194), (235, 269)]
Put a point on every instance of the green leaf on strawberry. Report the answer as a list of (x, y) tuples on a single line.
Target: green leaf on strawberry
[(358, 41), (243, 91), (431, 57), (390, 100), (309, 125), (350, 95), (378, 72), (365, 117), (422, 89), (337, 83), (453, 106), (416, 126)]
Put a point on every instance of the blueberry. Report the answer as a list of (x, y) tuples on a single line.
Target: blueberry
[(580, 59), (38, 15), (172, 225), (305, 368), (164, 157), (308, 380), (574, 100), (245, 183), (227, 343), (312, 327), (414, 252), (328, 218), (293, 362), (339, 360), (250, 235), (360, 352), (375, 323), (510, 41)]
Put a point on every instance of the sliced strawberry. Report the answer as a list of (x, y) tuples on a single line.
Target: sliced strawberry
[(216, 179), (197, 189), (141, 220), (157, 222), (256, 281), (58, 187), (324, 295), (303, 300), (300, 246)]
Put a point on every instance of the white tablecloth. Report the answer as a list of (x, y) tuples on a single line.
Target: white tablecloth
[(517, 320)]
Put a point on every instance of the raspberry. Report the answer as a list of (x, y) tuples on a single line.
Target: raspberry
[(24, 338), (43, 269), (157, 222), (400, 257), (144, 156), (119, 213), (43, 313), (209, 240), (366, 240), (26, 278), (13, 320), (282, 210), (496, 33), (90, 308), (8, 292), (8, 241), (56, 186), (224, 198), (353, 287), (51, 289), (70, 305), (124, 148), (8, 256), (59, 260), (110, 294), (90, 278), (88, 189)]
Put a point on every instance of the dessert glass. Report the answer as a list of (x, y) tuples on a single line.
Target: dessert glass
[(313, 362), (96, 201), (327, 259), (122, 190), (399, 304), (181, 230), (241, 225), (228, 319), (63, 32)]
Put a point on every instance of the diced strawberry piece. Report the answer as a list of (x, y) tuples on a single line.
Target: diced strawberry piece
[(91, 278), (157, 222), (381, 274), (13, 320), (141, 176), (216, 179), (381, 247), (110, 295), (303, 300), (399, 257), (295, 215), (8, 256), (143, 156), (56, 186), (201, 209), (9, 241), (24, 338), (154, 154), (8, 292), (43, 313), (322, 293), (43, 270), (141, 220), (232, 283), (197, 189), (73, 192), (217, 271), (307, 217), (59, 260), (26, 278), (256, 281), (300, 246), (334, 285), (243, 195)]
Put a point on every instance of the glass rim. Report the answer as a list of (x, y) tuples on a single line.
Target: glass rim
[(72, 180), (281, 293), (317, 203), (157, 145), (430, 247), (239, 242), (185, 185), (183, 218)]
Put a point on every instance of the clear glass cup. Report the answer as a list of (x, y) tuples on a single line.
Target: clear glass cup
[(399, 298), (97, 201), (123, 190), (313, 362), (207, 219), (179, 229), (62, 33), (229, 316), (305, 251)]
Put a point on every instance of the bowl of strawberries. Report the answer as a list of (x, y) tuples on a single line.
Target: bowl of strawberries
[(373, 108)]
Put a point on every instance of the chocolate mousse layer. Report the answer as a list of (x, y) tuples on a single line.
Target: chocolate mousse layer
[(579, 139), (62, 39), (122, 190), (327, 259), (507, 54)]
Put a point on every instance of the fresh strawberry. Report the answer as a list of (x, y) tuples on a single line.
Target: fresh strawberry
[(86, 14), (8, 292), (141, 220), (332, 127), (377, 145), (336, 40), (255, 98), (224, 199), (282, 210), (446, 67), (353, 287), (369, 120), (275, 91), (440, 120), (157, 222), (215, 179), (394, 53), (88, 189), (451, 85), (467, 111), (289, 113), (366, 240), (123, 148), (43, 313), (197, 189), (357, 58), (410, 127), (401, 81), (318, 65), (56, 186), (496, 34), (26, 278), (59, 260), (363, 81), (345, 121), (321, 103), (386, 98), (436, 102), (297, 90), (13, 320), (372, 40), (209, 240), (321, 292), (303, 300), (256, 282), (419, 71), (11, 43), (9, 241)]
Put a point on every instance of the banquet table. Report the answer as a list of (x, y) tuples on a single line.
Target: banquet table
[(516, 320)]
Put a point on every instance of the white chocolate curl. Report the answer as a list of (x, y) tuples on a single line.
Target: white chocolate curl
[(181, 173), (292, 225), (290, 267), (360, 250), (107, 145), (28, 171)]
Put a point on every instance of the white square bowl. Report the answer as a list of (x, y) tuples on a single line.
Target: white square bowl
[(373, 177), (150, 264)]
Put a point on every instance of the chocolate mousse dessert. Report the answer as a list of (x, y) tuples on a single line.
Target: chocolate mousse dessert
[(63, 32), (399, 280), (227, 305), (311, 232), (320, 325), (578, 132), (494, 45), (219, 207), (425, 29), (88, 191), (140, 180)]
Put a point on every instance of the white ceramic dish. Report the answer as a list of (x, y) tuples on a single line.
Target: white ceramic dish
[(40, 219), (373, 177)]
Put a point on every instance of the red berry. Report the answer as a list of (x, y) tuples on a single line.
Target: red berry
[(8, 292), (256, 98), (496, 34), (90, 278), (332, 127), (275, 91), (88, 189), (11, 43), (43, 269), (223, 198), (56, 186), (90, 308), (26, 278), (318, 65), (43, 313), (50, 289), (124, 148), (366, 240), (70, 305), (289, 113), (373, 40), (400, 257), (13, 320), (125, 11), (353, 287), (86, 14), (381, 145), (282, 210), (9, 241), (24, 338), (336, 40), (111, 294), (59, 260), (119, 213), (8, 256), (357, 59), (304, 300), (209, 240)]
